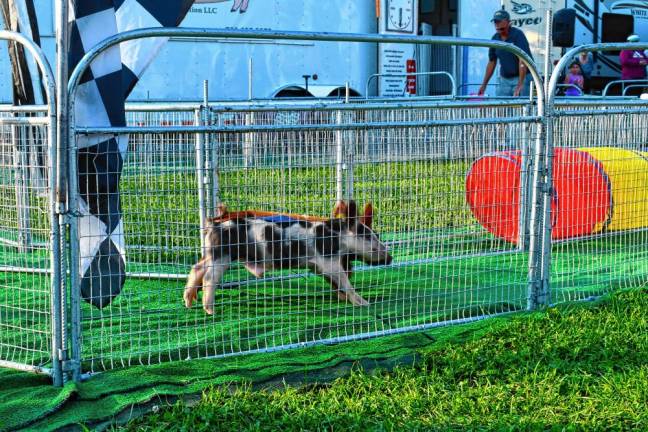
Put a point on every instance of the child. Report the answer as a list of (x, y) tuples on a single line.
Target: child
[(575, 78)]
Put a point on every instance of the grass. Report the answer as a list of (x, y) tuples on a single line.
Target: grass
[(571, 368)]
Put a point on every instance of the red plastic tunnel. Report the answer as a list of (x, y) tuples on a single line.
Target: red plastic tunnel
[(581, 197)]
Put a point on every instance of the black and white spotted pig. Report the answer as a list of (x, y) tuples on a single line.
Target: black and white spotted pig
[(327, 248)]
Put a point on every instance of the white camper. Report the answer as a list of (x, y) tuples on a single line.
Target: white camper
[(240, 69), (608, 21), (593, 21)]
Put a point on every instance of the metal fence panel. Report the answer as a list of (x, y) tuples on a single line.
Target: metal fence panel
[(31, 285), (611, 253), (301, 160), (25, 246), (597, 163)]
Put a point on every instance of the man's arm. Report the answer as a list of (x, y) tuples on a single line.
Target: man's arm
[(523, 43), (522, 71), (490, 69)]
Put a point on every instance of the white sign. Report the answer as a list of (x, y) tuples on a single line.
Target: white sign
[(396, 17)]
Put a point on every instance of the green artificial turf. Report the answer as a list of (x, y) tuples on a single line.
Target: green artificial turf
[(31, 401), (576, 366), (442, 274), (148, 324)]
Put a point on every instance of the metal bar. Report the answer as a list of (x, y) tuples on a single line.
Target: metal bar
[(17, 269), (373, 104), (631, 86), (304, 127), (349, 149), (24, 121), (594, 101), (525, 193), (586, 113), (23, 108), (61, 189), (453, 92), (21, 186), (200, 179), (535, 239), (339, 159), (376, 104), (16, 244), (623, 83), (547, 47), (325, 105), (27, 368), (359, 268)]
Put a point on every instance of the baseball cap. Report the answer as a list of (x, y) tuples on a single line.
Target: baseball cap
[(501, 15), (633, 38)]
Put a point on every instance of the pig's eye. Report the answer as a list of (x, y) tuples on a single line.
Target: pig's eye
[(363, 232)]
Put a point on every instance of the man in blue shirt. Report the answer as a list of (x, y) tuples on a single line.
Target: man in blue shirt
[(513, 79)]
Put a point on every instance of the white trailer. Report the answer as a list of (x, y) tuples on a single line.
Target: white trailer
[(242, 69), (608, 21)]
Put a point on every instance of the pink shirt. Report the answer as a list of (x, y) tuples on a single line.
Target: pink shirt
[(630, 64)]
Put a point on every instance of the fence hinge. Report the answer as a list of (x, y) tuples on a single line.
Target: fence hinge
[(68, 215), (60, 208), (546, 188), (67, 364), (62, 354)]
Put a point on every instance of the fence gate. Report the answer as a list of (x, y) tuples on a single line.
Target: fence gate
[(30, 250), (600, 209), (409, 159)]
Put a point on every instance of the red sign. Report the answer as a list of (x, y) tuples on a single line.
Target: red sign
[(411, 79)]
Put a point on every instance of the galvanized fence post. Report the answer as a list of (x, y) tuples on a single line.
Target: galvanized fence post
[(525, 185), (540, 228), (350, 149), (200, 176), (543, 295), (339, 157)]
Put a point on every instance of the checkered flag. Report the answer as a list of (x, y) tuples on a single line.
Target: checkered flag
[(100, 102)]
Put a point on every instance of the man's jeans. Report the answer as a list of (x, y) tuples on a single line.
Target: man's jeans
[(506, 86)]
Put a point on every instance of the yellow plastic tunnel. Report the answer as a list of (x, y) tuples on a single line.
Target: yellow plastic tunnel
[(627, 172)]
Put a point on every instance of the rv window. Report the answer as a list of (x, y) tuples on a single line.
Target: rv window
[(617, 27)]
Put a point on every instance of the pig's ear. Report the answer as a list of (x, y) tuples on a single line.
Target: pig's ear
[(221, 212), (352, 213), (367, 216), (340, 209)]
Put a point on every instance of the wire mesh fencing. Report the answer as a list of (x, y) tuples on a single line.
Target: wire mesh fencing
[(265, 225), (599, 213), (409, 163), (450, 184), (25, 246)]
